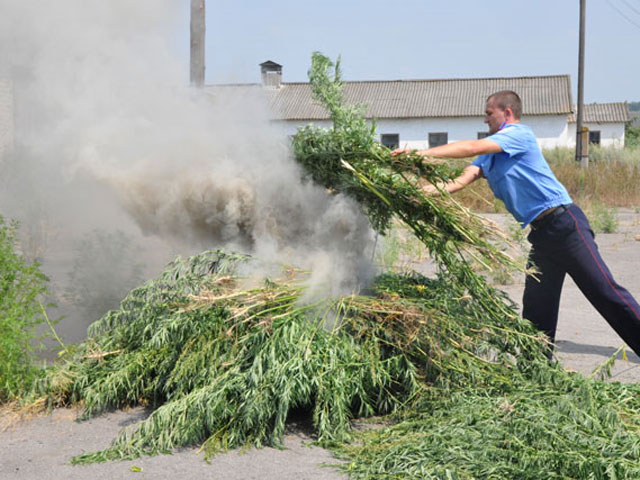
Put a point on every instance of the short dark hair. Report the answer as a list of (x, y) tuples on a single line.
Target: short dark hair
[(507, 99)]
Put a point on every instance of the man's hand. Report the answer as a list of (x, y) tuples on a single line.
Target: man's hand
[(469, 175), (400, 151), (430, 190), (425, 158)]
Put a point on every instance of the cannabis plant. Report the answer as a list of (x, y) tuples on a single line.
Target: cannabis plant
[(22, 288)]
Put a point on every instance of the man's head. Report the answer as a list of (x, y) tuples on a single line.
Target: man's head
[(502, 107)]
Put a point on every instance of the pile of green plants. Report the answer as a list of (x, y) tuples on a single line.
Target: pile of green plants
[(458, 384), (547, 425), (222, 363)]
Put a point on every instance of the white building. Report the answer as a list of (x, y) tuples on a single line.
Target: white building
[(605, 121), (418, 113), (423, 113)]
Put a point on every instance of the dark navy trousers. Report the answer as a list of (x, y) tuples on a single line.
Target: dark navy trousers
[(564, 244)]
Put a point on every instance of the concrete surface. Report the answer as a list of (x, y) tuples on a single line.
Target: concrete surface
[(584, 340), (43, 447)]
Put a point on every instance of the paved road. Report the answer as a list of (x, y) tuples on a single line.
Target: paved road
[(584, 339)]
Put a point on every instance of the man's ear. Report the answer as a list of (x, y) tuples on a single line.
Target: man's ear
[(508, 114)]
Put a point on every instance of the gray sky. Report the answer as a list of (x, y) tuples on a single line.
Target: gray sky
[(405, 39)]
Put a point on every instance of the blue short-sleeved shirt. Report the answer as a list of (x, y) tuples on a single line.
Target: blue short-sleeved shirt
[(520, 176)]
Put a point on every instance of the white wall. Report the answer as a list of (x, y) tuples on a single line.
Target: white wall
[(551, 130), (611, 134), (414, 133)]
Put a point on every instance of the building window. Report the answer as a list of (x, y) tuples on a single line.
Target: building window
[(594, 136), (437, 139), (390, 140), (482, 135)]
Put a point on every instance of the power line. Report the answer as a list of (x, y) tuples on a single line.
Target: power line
[(631, 7), (621, 13)]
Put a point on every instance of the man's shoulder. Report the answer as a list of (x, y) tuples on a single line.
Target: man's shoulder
[(513, 131), (515, 127), (515, 139)]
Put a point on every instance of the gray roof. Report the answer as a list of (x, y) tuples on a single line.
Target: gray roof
[(543, 95), (603, 113), (464, 97)]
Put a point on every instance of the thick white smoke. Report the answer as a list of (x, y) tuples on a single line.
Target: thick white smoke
[(107, 134)]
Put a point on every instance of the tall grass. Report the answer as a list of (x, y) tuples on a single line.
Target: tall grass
[(612, 179), (22, 286)]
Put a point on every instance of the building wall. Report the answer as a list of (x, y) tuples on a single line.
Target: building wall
[(551, 131), (6, 115), (611, 134), (414, 133)]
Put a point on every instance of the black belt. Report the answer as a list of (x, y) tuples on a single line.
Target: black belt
[(554, 212)]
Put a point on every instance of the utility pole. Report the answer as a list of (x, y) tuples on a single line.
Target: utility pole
[(582, 146), (197, 42)]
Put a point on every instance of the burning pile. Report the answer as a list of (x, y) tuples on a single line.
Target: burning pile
[(223, 361), (224, 364)]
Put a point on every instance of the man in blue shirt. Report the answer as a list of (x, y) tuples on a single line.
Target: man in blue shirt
[(561, 238)]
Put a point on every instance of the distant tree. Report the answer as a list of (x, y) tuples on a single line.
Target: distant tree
[(634, 106), (631, 135)]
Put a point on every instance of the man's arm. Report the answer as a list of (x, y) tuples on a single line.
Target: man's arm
[(468, 176), (461, 149)]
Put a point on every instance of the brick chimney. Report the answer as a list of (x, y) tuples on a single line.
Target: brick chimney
[(271, 74)]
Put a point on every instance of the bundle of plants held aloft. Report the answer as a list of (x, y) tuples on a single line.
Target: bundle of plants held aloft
[(461, 381), (347, 159)]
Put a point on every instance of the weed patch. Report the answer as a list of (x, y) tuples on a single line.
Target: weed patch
[(22, 286)]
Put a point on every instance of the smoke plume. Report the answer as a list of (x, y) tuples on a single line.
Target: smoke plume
[(105, 135)]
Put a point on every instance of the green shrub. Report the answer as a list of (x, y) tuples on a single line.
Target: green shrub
[(603, 219), (631, 135), (21, 287)]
